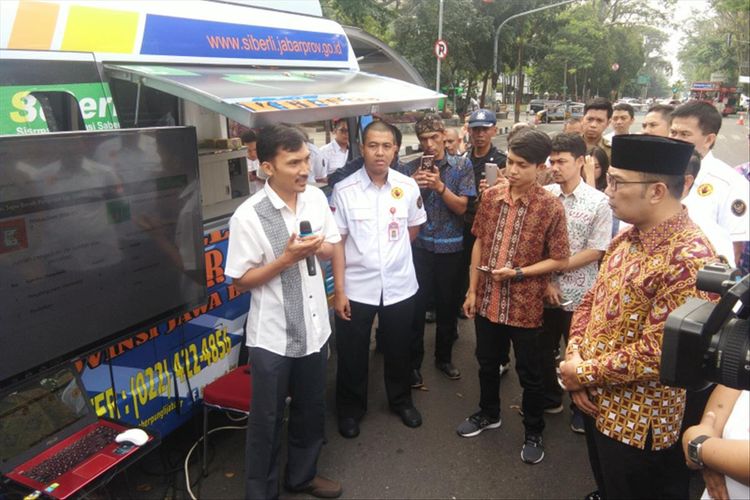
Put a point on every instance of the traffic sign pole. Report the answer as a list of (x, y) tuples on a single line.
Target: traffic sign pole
[(440, 38)]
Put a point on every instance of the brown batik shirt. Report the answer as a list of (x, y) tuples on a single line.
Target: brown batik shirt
[(517, 234)]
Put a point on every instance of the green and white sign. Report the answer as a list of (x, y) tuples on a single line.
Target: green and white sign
[(21, 112)]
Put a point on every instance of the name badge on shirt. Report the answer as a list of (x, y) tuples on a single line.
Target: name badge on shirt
[(393, 231)]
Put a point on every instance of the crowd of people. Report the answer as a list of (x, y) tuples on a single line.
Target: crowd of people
[(579, 237)]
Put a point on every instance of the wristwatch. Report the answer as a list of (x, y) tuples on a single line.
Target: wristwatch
[(519, 274), (694, 450)]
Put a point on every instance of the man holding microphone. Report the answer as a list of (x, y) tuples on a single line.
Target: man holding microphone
[(287, 326)]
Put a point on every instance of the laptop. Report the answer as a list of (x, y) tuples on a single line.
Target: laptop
[(50, 437)]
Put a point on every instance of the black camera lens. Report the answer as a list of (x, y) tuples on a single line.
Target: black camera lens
[(730, 355)]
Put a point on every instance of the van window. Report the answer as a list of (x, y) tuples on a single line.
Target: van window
[(154, 108), (60, 110)]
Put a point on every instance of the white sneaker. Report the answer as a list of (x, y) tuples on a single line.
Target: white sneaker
[(504, 369)]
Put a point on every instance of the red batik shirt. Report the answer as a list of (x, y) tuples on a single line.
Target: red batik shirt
[(618, 329), (517, 234)]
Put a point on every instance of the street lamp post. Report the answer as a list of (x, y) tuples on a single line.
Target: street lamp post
[(440, 37), (515, 16)]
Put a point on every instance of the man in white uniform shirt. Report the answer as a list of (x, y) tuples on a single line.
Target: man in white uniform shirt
[(287, 326), (378, 212), (719, 193), (335, 154)]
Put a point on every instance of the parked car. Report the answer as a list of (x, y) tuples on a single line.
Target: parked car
[(560, 112), (636, 103), (536, 105)]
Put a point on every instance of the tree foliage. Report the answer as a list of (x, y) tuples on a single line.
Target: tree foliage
[(717, 42), (574, 45)]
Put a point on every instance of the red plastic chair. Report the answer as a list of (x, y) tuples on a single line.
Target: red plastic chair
[(230, 392)]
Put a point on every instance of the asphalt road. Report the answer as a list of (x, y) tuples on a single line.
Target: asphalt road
[(389, 460)]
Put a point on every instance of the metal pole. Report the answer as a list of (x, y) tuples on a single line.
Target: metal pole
[(440, 37), (497, 32)]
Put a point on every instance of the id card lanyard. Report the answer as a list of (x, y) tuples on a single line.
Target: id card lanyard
[(393, 226)]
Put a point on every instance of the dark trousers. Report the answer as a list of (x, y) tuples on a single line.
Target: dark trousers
[(623, 471), (493, 342), (438, 275), (274, 378), (353, 346), (556, 325), (469, 240)]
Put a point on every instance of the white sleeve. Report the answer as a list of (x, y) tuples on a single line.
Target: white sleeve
[(330, 230), (733, 215), (244, 250), (339, 210), (601, 228), (317, 166), (417, 214)]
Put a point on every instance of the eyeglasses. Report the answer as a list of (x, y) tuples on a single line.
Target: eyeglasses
[(613, 182)]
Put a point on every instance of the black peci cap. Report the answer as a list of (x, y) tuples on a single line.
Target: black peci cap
[(651, 154)]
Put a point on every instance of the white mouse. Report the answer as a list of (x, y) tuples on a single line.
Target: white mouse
[(137, 437)]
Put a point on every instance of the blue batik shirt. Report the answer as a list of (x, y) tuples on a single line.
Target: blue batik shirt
[(444, 229)]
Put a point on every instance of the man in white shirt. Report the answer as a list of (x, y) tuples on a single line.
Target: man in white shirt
[(589, 222), (717, 235), (335, 154), (287, 326), (720, 193), (378, 212)]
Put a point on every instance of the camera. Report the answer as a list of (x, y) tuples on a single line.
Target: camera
[(707, 342)]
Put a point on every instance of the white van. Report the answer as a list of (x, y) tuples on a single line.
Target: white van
[(98, 65)]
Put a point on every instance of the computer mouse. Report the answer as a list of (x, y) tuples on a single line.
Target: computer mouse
[(137, 437)]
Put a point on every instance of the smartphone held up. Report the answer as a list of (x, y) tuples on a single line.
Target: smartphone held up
[(427, 162)]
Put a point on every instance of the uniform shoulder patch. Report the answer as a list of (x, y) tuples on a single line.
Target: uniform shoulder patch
[(739, 208), (419, 202), (705, 189)]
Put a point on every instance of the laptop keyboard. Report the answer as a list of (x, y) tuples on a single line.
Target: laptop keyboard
[(72, 455)]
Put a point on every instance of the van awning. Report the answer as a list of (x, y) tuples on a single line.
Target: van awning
[(256, 97)]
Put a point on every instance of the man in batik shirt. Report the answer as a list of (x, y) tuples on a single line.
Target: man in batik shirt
[(613, 357)]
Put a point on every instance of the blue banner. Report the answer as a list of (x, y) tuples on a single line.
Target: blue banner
[(173, 36)]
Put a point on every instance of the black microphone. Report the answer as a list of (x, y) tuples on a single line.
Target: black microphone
[(305, 229)]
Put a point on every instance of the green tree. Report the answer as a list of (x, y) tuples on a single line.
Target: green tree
[(717, 42), (371, 16)]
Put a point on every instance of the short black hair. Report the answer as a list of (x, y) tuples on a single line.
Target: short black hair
[(675, 183), (379, 126), (249, 137), (572, 120), (275, 137), (709, 118), (338, 122), (569, 143), (531, 145), (397, 135), (599, 103), (694, 164), (623, 106), (664, 109)]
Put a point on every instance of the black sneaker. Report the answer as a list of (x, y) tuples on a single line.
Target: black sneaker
[(475, 424), (533, 449)]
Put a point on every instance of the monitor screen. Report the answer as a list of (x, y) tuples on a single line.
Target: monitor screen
[(100, 233)]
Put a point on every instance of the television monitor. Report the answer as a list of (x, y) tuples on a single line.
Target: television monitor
[(100, 233)]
